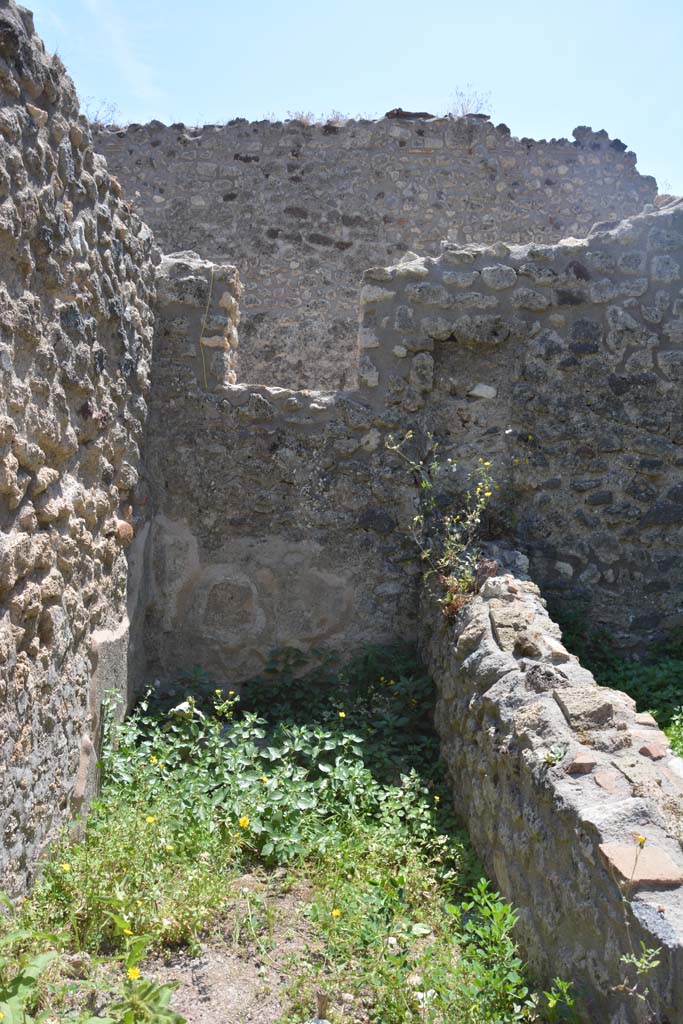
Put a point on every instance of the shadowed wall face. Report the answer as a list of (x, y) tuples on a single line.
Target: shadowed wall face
[(76, 285), (277, 513), (302, 210)]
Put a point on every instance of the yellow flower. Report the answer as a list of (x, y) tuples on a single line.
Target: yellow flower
[(487, 494), (342, 714), (169, 847), (336, 912), (153, 759), (150, 819), (243, 822), (133, 973), (127, 931), (486, 463), (641, 840), (264, 778), (436, 798), (218, 692), (231, 693), (2, 1016), (65, 867)]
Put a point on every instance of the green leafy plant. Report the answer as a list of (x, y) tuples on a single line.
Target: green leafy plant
[(559, 1003), (142, 1000), (447, 541), (675, 731), (21, 974), (324, 772), (638, 965), (18, 983), (556, 754), (643, 962)]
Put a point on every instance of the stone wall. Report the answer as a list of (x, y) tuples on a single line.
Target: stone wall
[(276, 513), (280, 517), (556, 778), (76, 282), (302, 210), (563, 366)]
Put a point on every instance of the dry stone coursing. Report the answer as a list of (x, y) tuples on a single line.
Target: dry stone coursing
[(302, 210), (562, 365), (75, 342), (554, 777)]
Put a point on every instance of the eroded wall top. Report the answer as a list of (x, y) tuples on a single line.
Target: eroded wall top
[(76, 283), (302, 210), (571, 798)]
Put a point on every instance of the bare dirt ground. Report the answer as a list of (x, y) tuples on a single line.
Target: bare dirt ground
[(243, 969)]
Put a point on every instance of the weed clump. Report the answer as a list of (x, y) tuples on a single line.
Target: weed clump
[(328, 774)]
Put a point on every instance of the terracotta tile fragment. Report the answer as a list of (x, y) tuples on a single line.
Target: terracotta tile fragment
[(644, 868), (609, 780), (654, 749), (124, 531), (582, 763)]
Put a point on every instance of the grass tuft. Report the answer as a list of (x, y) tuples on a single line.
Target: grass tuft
[(329, 776)]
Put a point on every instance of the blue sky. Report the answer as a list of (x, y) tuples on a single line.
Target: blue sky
[(547, 66)]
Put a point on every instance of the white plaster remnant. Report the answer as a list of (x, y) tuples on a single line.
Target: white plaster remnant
[(482, 391), (38, 116), (371, 293)]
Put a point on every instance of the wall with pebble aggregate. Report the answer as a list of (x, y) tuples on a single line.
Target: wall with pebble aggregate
[(302, 210), (76, 285), (557, 364), (562, 365), (556, 778)]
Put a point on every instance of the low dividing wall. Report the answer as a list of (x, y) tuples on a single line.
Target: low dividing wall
[(555, 777), (302, 210)]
